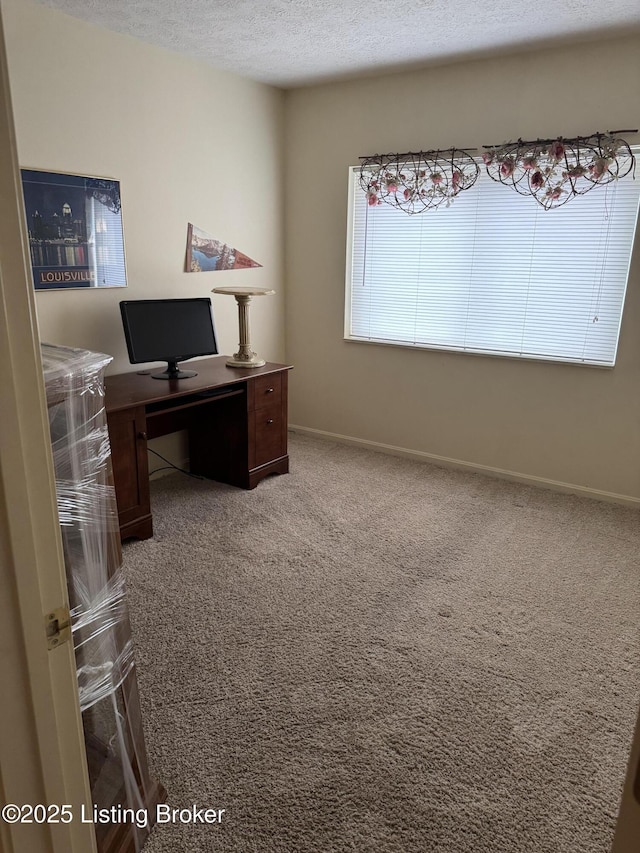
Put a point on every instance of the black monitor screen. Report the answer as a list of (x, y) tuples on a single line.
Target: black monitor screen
[(170, 330)]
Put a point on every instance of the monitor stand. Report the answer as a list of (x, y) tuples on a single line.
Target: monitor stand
[(172, 372)]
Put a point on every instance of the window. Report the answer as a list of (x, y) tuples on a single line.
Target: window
[(493, 273)]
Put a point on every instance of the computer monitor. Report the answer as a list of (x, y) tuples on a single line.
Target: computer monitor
[(170, 330)]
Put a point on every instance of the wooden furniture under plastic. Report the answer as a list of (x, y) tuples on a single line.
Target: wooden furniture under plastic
[(107, 684), (236, 420)]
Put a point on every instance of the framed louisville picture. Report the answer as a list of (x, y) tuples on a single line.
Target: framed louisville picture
[(75, 230)]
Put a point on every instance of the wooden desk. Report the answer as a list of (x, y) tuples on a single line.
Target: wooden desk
[(236, 419)]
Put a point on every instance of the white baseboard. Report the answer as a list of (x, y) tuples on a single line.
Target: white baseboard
[(459, 464)]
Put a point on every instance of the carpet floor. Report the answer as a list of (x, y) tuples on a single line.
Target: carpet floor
[(372, 654)]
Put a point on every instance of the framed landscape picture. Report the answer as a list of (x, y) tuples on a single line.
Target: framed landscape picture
[(75, 230)]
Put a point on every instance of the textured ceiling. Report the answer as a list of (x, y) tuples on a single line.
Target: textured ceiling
[(294, 42)]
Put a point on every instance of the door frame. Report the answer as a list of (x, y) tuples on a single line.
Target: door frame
[(42, 753)]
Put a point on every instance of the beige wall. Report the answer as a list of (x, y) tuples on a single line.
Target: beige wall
[(188, 144), (563, 423)]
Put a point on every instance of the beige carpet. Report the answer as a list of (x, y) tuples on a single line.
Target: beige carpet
[(371, 654)]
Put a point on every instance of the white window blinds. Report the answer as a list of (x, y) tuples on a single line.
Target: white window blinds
[(493, 273)]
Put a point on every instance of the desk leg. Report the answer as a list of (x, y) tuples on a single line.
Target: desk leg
[(128, 438)]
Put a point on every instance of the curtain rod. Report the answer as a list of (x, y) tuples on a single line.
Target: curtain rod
[(563, 138), (418, 153), (502, 144)]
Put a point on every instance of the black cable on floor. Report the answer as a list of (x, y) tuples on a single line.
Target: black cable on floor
[(171, 465)]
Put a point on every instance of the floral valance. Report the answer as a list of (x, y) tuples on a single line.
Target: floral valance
[(555, 170), (417, 180), (550, 170)]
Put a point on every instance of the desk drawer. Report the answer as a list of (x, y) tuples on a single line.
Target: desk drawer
[(270, 433), (267, 390)]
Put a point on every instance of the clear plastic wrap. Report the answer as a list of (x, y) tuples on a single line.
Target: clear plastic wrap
[(74, 381)]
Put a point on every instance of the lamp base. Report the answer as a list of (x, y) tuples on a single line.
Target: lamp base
[(252, 361)]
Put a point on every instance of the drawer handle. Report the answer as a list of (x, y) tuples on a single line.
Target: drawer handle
[(269, 420), (142, 435), (269, 391)]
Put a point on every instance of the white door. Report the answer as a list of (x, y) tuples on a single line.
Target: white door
[(42, 757)]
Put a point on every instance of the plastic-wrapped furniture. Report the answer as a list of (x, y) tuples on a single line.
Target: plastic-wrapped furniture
[(105, 664)]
